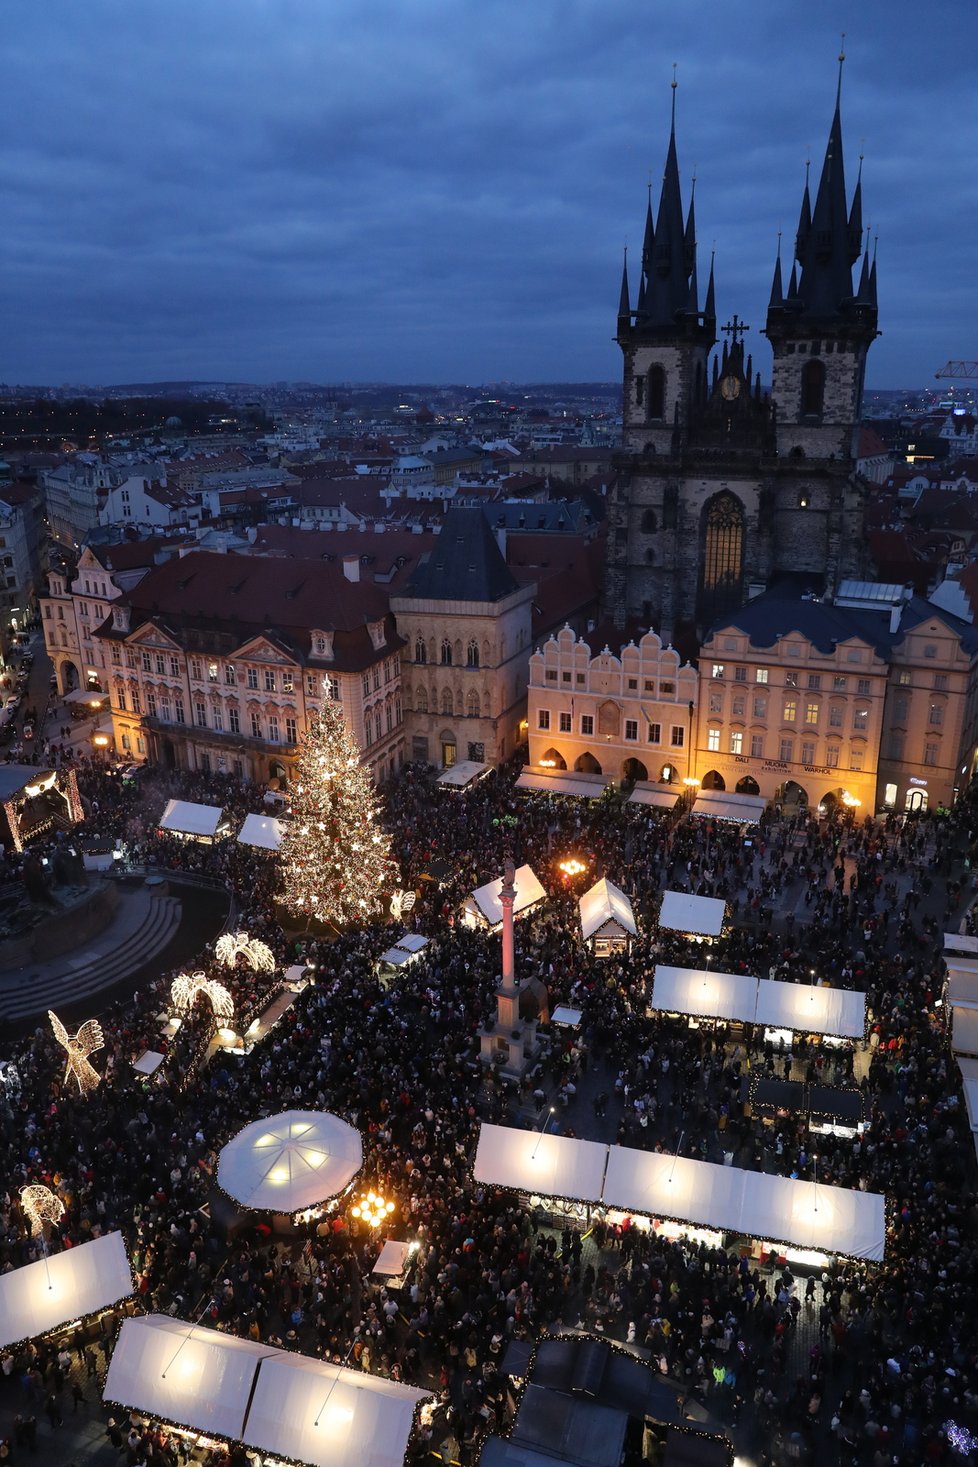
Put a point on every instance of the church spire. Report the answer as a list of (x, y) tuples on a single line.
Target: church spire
[(710, 304), (825, 251), (668, 286), (624, 306), (777, 286)]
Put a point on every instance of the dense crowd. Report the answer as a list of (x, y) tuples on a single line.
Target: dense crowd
[(893, 1357)]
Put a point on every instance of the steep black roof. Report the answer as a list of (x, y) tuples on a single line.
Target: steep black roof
[(465, 563)]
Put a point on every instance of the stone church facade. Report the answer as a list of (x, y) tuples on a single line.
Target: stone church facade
[(723, 489)]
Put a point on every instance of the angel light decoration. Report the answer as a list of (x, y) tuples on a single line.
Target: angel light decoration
[(78, 1047), (257, 955), (401, 903), (40, 1206), (186, 987)]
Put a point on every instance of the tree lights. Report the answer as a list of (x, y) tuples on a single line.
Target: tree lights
[(336, 860)]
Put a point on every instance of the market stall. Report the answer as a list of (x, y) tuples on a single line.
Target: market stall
[(727, 805), (701, 993), (290, 1162), (405, 951), (697, 916), (263, 832), (964, 1030), (540, 1163), (607, 919), (463, 775), (482, 908), (545, 782), (66, 1286), (193, 822), (794, 1008)]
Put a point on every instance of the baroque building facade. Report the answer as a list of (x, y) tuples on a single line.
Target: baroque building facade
[(723, 489)]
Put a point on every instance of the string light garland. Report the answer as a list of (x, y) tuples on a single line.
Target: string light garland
[(40, 1206), (335, 858), (373, 1209), (78, 1047), (186, 988), (257, 955)]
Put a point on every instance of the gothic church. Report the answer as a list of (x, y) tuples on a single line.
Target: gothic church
[(722, 489)]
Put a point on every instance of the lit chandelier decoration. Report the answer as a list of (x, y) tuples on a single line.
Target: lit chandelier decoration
[(186, 987), (573, 867), (257, 955), (401, 903), (372, 1209), (40, 1206), (78, 1047)]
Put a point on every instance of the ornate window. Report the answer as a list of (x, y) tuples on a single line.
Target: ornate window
[(722, 556), (655, 397), (446, 653), (420, 651), (472, 654), (812, 389)]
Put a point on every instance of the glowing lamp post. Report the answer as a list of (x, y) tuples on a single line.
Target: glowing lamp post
[(373, 1209)]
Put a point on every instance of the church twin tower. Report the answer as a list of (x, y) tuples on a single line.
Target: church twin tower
[(721, 488)]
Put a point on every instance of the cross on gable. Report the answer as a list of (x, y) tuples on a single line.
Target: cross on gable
[(735, 329)]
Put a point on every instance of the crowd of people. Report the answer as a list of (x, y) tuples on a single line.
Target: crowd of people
[(891, 1370)]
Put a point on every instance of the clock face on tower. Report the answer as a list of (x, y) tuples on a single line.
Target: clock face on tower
[(730, 388)]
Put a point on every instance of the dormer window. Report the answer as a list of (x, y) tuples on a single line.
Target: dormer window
[(120, 618), (322, 645), (377, 636)]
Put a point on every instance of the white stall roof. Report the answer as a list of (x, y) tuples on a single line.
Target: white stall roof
[(646, 794), (962, 987), (186, 818), (964, 1031), (41, 1296), (969, 1079), (957, 942), (706, 994), (148, 1062), (528, 893), (308, 1411), (540, 1163), (194, 1377), (810, 1215), (263, 831), (393, 1257), (465, 772), (811, 1010), (584, 786), (801, 1214), (722, 805), (292, 1161), (682, 912), (564, 1014), (408, 947), (605, 902)]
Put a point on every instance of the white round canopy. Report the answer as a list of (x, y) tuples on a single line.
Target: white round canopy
[(291, 1161)]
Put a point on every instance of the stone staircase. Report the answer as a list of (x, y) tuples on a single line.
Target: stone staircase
[(143, 925)]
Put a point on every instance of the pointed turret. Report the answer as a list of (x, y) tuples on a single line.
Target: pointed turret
[(624, 305), (668, 285), (862, 294), (777, 288), (856, 218), (710, 304), (804, 220)]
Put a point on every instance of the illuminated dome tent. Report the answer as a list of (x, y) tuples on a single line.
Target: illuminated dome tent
[(290, 1162)]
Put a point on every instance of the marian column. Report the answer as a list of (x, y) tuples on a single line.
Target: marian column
[(511, 1042)]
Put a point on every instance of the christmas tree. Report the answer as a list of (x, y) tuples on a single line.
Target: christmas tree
[(336, 861)]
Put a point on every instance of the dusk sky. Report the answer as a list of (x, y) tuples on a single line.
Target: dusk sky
[(439, 190)]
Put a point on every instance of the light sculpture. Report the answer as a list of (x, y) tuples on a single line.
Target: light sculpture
[(186, 987), (257, 955), (402, 902), (40, 1206), (78, 1047)]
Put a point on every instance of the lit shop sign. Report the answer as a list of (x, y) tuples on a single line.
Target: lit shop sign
[(921, 782)]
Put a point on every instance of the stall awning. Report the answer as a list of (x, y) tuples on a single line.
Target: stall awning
[(605, 902), (192, 1376), (69, 1285), (583, 786), (704, 994), (564, 1014), (183, 817), (962, 988), (148, 1062), (781, 1209), (834, 1100), (964, 1031), (291, 1161), (738, 997), (958, 942), (91, 697), (486, 901), (647, 794), (459, 776), (721, 805), (405, 950), (393, 1258), (263, 831), (306, 1410), (808, 1009), (683, 912), (969, 1080), (540, 1163)]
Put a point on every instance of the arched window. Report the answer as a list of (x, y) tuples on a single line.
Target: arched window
[(420, 651), (656, 393), (446, 701), (649, 523), (721, 566), (472, 654), (812, 388), (421, 701), (368, 724), (446, 653), (473, 704)]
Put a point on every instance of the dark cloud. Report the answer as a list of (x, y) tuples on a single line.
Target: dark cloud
[(442, 189)]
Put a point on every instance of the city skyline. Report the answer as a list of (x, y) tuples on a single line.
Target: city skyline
[(277, 193)]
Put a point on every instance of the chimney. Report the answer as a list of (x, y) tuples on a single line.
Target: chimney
[(351, 567)]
